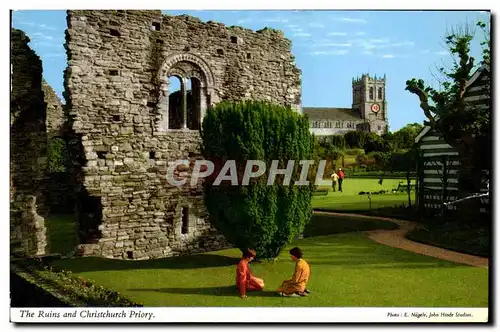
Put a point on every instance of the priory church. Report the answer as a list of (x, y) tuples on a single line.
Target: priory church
[(368, 112)]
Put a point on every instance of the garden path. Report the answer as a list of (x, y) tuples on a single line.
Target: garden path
[(397, 239)]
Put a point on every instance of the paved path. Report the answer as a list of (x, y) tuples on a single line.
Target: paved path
[(397, 238)]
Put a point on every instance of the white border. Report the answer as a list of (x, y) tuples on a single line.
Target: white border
[(256, 313)]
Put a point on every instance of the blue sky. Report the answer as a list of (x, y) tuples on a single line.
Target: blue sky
[(331, 47)]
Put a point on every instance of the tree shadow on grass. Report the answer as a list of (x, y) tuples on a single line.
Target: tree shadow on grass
[(198, 261), (209, 291)]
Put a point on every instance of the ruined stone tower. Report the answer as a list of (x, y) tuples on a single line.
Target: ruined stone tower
[(131, 127), (369, 101)]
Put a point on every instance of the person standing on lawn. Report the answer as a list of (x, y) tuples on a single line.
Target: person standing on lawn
[(340, 173), (335, 178), (245, 281), (297, 285)]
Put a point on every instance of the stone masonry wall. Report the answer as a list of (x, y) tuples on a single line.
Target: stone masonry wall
[(56, 118), (28, 143), (60, 194), (117, 89)]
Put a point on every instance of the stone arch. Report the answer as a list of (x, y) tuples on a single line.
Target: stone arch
[(186, 66), (188, 57)]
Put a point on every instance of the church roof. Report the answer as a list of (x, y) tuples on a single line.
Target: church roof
[(328, 113)]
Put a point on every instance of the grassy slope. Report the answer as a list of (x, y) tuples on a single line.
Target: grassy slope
[(347, 270)]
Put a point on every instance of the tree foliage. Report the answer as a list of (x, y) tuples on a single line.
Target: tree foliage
[(462, 124), (260, 216)]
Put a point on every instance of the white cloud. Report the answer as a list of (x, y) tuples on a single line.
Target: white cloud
[(379, 41), (316, 25), (245, 20), (42, 35), (425, 51), (335, 52), (297, 29), (276, 20), (46, 27), (337, 34), (291, 26), (33, 24), (302, 34), (334, 44), (388, 56), (359, 33), (407, 43), (353, 20), (442, 52)]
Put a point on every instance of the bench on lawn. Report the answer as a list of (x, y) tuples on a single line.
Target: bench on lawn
[(403, 187), (320, 192)]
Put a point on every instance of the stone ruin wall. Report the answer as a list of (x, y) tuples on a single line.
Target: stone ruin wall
[(28, 143), (56, 119), (117, 90), (60, 185)]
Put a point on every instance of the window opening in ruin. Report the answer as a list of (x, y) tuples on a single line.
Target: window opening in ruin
[(175, 103), (220, 51), (101, 154), (380, 93), (234, 40), (185, 220), (130, 254), (152, 155), (187, 49), (159, 41), (202, 244), (249, 55), (337, 124), (116, 118), (151, 104), (371, 92), (193, 109), (113, 72), (114, 32), (155, 26)]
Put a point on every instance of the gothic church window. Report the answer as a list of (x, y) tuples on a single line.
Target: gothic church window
[(371, 92), (337, 124), (380, 94)]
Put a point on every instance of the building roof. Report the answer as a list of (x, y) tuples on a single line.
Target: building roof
[(328, 113)]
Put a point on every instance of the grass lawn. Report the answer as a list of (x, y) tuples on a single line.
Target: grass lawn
[(347, 269), (61, 233), (349, 200)]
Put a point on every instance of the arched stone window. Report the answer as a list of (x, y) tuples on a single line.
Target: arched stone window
[(380, 94), (184, 109), (371, 93)]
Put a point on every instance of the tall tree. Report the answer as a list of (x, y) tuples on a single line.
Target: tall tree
[(464, 125)]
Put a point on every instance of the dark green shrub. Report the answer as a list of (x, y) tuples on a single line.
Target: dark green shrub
[(260, 216)]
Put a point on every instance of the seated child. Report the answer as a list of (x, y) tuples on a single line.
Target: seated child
[(297, 285), (245, 281)]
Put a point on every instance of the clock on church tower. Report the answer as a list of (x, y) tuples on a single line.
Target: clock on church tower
[(375, 108)]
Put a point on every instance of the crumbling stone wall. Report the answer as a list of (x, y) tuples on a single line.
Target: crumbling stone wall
[(28, 144), (55, 118), (60, 191), (117, 89)]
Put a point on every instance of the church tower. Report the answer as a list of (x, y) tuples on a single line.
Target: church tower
[(368, 101)]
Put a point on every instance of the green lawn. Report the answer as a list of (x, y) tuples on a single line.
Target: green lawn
[(348, 269), (349, 200), (61, 233)]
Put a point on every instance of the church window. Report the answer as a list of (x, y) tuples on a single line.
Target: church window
[(379, 127), (371, 92), (380, 94), (348, 125), (337, 124)]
